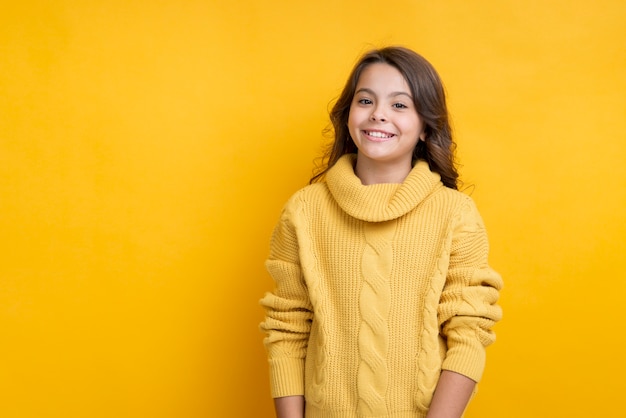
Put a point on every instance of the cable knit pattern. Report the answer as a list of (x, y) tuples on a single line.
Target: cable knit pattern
[(430, 350), (374, 306), (378, 289), (318, 374)]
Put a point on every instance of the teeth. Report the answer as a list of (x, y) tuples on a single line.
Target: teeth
[(379, 135)]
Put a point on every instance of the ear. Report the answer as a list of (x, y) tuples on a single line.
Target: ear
[(422, 137)]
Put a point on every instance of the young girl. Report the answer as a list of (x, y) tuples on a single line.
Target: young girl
[(384, 300)]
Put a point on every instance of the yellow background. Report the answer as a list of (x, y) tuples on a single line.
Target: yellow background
[(146, 148)]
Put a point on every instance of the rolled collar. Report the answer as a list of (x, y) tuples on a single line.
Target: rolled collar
[(379, 202)]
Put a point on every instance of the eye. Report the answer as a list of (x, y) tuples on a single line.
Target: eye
[(365, 101), (400, 106)]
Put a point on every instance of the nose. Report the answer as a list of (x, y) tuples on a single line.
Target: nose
[(378, 115)]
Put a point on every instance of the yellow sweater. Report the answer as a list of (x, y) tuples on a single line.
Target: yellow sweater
[(378, 289)]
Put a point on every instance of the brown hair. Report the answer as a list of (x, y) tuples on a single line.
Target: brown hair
[(430, 102)]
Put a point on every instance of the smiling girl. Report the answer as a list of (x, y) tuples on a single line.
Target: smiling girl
[(384, 300)]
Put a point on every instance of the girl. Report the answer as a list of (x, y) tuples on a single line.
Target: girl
[(384, 300)]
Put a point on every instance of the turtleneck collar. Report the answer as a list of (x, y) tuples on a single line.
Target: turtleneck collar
[(379, 202)]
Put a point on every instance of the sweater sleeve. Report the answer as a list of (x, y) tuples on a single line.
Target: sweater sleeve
[(468, 306), (288, 312)]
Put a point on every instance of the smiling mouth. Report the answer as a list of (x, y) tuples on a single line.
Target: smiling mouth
[(378, 134)]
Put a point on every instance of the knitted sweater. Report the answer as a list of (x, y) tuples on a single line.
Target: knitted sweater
[(378, 289)]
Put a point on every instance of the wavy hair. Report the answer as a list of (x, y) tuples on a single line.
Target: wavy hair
[(430, 102)]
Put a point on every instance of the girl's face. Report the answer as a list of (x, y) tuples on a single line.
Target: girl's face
[(383, 121)]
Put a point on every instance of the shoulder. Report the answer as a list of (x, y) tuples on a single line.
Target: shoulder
[(307, 196), (463, 209)]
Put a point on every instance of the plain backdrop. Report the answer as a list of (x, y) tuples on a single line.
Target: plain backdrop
[(146, 148)]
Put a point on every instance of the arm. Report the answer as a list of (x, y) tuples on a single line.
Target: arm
[(468, 306), (288, 312), (289, 407), (451, 396)]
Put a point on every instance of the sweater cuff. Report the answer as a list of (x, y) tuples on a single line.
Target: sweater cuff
[(469, 362), (286, 376)]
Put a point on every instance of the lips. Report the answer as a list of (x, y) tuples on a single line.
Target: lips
[(378, 135)]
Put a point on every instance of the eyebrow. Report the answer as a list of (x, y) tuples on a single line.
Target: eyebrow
[(392, 94)]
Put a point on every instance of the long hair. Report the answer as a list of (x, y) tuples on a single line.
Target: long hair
[(430, 102)]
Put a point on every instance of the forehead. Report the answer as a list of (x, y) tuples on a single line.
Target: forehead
[(383, 77)]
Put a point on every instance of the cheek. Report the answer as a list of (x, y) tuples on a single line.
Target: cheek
[(353, 120), (415, 124), (357, 116)]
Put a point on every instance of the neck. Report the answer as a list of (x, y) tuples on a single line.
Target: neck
[(371, 172)]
